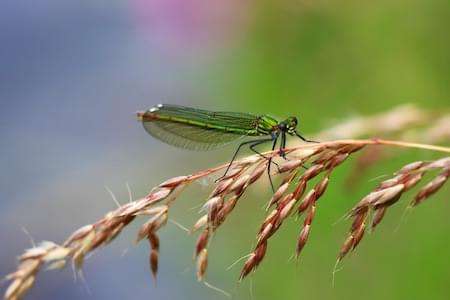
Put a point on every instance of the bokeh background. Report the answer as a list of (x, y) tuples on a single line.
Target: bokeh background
[(73, 73)]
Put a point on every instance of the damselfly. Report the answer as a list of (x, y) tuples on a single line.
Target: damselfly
[(199, 129)]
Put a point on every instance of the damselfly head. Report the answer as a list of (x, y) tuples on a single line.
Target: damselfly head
[(290, 125)]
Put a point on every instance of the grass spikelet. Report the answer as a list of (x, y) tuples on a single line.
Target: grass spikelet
[(154, 252)]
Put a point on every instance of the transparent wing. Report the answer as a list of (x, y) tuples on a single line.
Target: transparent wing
[(188, 136), (197, 129)]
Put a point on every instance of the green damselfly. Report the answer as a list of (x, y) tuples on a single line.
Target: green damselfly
[(199, 129)]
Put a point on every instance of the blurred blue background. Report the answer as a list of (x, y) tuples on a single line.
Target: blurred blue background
[(73, 73)]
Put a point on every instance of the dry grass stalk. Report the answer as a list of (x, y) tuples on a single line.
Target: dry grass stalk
[(290, 196)]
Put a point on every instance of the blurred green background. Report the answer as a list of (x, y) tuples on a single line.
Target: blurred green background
[(72, 74)]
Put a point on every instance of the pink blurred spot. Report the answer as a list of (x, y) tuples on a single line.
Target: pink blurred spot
[(191, 25)]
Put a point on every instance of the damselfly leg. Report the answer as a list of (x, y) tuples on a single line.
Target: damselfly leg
[(252, 144), (275, 138), (283, 146), (303, 139)]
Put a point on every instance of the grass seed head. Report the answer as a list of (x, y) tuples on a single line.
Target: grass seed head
[(321, 158)]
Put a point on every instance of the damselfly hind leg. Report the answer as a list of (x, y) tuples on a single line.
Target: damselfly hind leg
[(274, 138), (283, 146), (262, 155), (252, 144), (233, 158), (269, 159)]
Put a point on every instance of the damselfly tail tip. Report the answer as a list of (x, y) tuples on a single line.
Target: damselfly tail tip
[(140, 115)]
